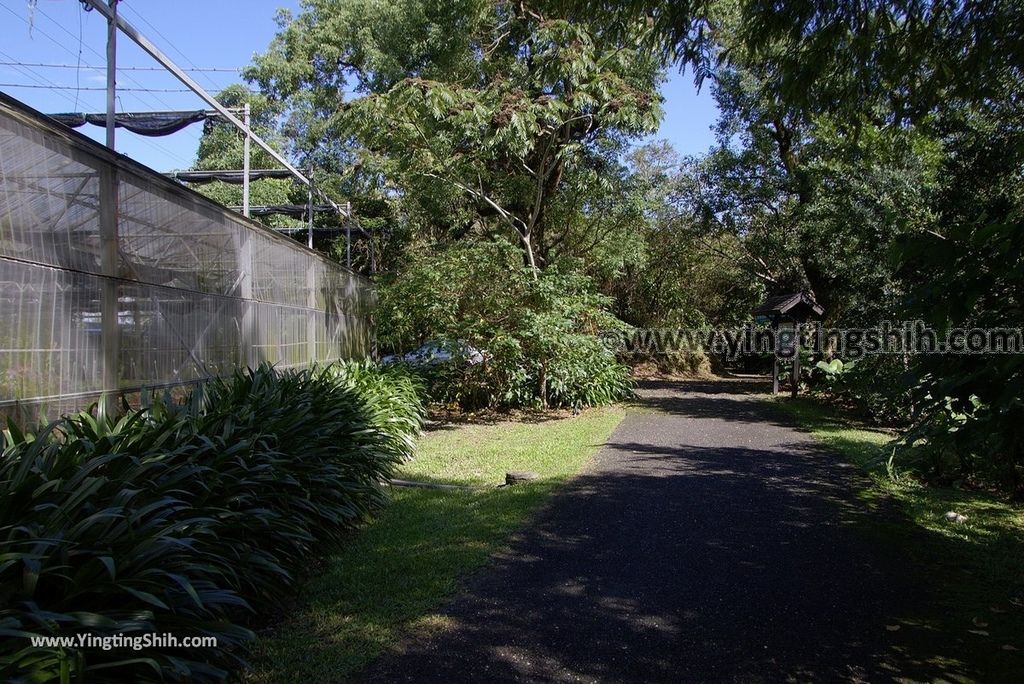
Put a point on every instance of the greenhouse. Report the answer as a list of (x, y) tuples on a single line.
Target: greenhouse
[(115, 279)]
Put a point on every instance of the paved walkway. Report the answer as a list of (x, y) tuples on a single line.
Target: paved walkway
[(709, 540)]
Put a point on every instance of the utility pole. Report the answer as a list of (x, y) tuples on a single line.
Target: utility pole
[(178, 73)]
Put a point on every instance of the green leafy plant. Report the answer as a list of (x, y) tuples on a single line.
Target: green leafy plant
[(185, 519), (539, 334)]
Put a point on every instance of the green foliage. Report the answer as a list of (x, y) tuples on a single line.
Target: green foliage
[(583, 372), (874, 387), (539, 333), (835, 368), (810, 202), (970, 408), (897, 60), (681, 274), (393, 398), (968, 272), (183, 519), (490, 117)]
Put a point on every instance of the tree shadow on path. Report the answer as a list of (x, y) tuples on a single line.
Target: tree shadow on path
[(708, 540)]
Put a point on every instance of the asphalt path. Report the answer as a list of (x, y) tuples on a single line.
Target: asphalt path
[(708, 540)]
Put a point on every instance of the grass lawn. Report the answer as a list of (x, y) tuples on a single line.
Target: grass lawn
[(394, 572), (978, 565)]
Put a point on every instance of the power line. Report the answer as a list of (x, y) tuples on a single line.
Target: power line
[(171, 44), (58, 90), (96, 88), (149, 92), (124, 68), (39, 78), (162, 103)]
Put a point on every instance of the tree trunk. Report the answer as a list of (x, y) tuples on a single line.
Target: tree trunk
[(529, 259)]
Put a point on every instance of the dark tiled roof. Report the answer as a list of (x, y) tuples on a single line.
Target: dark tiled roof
[(783, 304)]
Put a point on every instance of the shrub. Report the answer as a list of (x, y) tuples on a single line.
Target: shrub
[(585, 373), (183, 519), (874, 386), (539, 332), (579, 372), (391, 395)]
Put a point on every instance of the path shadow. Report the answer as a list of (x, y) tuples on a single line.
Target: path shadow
[(708, 542)]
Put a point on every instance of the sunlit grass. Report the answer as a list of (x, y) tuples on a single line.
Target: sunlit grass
[(393, 573)]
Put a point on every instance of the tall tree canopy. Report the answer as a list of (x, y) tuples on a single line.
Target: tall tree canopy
[(909, 57), (868, 151), (496, 115)]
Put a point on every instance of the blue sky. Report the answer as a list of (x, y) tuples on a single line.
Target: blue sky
[(194, 33)]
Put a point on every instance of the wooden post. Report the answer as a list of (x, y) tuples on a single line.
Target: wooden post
[(796, 364), (775, 357)]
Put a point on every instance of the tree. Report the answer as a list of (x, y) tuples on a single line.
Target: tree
[(940, 80), (907, 58), (537, 329), (816, 201), (493, 113), (681, 274)]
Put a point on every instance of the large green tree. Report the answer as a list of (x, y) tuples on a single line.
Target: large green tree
[(498, 117), (940, 79), (680, 273), (815, 201)]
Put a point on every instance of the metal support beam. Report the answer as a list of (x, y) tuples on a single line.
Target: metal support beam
[(110, 334), (247, 334), (111, 71), (313, 320), (165, 61), (245, 163), (309, 213), (348, 234)]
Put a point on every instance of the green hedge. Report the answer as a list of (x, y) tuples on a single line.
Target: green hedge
[(187, 519)]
